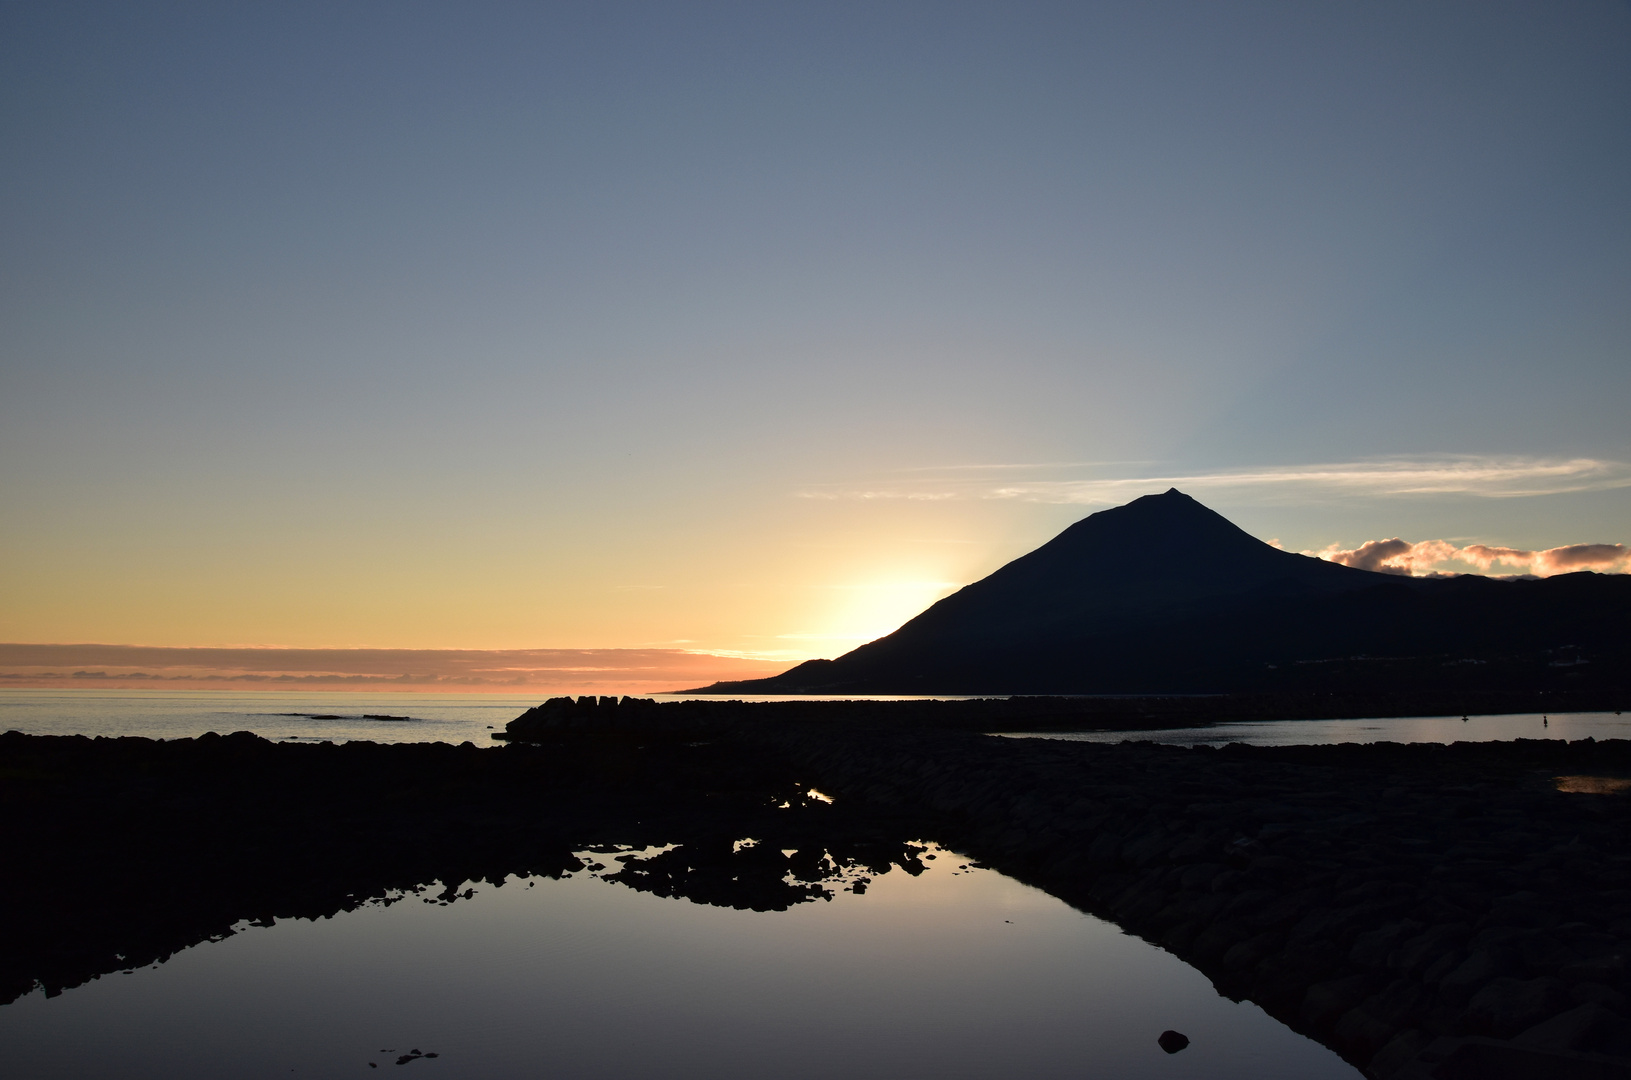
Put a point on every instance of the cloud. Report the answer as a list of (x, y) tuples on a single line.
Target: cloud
[(1396, 556), (913, 496), (1482, 476), (1558, 560)]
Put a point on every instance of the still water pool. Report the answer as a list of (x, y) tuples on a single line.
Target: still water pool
[(956, 972)]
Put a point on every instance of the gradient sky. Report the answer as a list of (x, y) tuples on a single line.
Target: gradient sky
[(758, 327)]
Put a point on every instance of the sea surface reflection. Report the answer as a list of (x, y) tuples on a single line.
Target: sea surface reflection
[(955, 971), (280, 716), (289, 716), (284, 715), (1400, 729)]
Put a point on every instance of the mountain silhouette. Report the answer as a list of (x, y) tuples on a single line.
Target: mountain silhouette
[(1165, 595)]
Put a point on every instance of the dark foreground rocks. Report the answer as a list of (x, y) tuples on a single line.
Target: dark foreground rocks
[(1427, 911)]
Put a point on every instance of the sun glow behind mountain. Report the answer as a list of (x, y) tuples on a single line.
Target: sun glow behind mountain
[(752, 331), (863, 612)]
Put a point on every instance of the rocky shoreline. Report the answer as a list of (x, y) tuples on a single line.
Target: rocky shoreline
[(1425, 910)]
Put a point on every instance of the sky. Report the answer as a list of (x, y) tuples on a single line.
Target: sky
[(753, 329)]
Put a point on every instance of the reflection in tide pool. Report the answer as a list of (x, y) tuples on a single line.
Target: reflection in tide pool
[(1400, 729), (958, 972)]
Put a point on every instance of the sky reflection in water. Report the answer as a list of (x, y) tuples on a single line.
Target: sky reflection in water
[(955, 973), (1401, 729), (459, 717), (279, 715)]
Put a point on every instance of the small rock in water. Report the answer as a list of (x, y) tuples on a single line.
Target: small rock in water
[(414, 1055), (1172, 1041)]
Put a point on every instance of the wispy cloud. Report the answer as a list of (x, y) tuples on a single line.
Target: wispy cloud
[(1035, 466), (1482, 476), (880, 493)]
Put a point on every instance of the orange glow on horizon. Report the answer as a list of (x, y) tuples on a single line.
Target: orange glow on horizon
[(442, 671)]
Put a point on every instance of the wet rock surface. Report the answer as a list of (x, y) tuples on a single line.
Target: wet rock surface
[(1425, 910)]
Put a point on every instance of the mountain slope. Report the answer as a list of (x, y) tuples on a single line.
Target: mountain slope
[(1165, 595)]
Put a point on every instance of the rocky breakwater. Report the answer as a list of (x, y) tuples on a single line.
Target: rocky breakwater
[(1428, 911)]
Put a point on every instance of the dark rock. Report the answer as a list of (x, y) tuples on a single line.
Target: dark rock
[(1424, 949), (1490, 1059), (1606, 996), (1449, 961), (1172, 1041), (1325, 1002), (1587, 1028), (1371, 1025), (1458, 987), (1371, 949), (1248, 954), (1403, 1049), (1507, 1006)]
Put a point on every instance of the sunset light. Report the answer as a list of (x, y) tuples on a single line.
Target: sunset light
[(727, 540)]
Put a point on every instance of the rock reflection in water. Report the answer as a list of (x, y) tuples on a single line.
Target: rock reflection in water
[(755, 876), (948, 972), (135, 849), (304, 907)]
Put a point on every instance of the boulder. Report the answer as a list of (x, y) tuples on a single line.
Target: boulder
[(1507, 1006)]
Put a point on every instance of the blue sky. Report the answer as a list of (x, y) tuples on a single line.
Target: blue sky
[(755, 328)]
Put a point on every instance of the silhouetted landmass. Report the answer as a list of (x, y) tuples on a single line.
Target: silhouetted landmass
[(1129, 713), (1427, 911), (1163, 595)]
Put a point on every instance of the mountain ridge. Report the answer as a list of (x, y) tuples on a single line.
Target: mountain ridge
[(1164, 594)]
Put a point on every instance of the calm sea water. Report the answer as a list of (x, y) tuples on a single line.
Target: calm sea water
[(954, 973), (158, 714), (339, 717), (1401, 729)]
